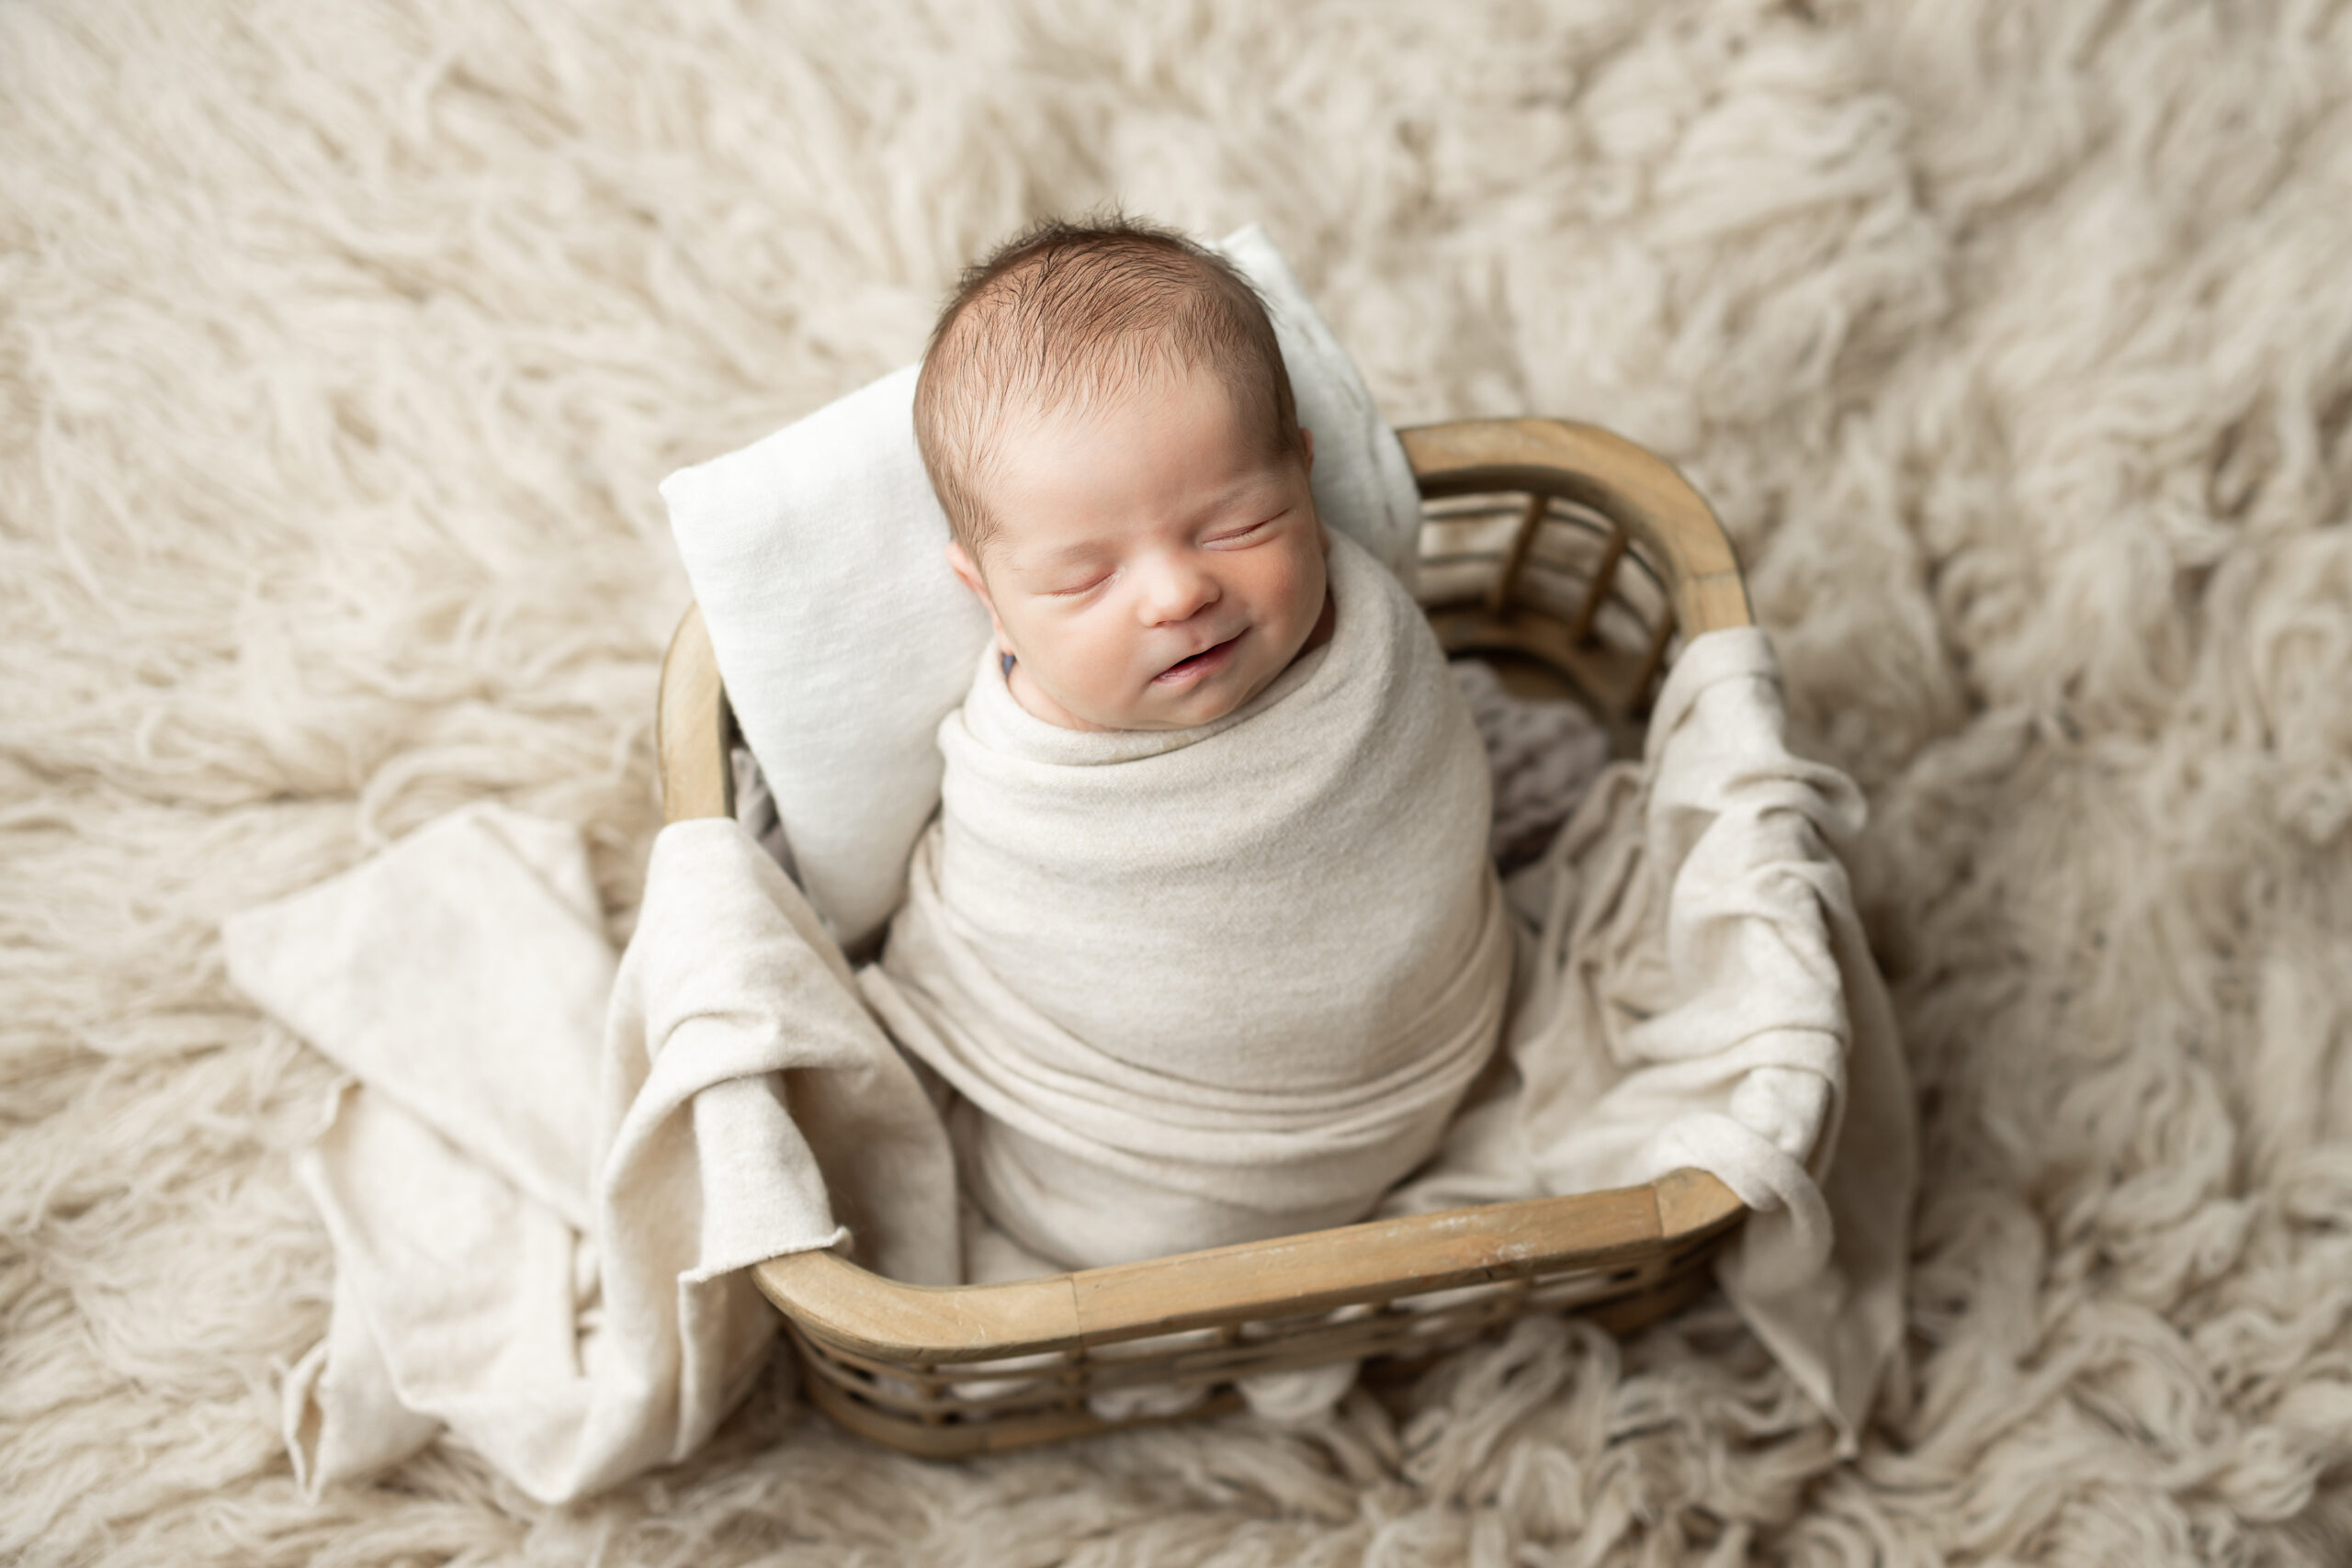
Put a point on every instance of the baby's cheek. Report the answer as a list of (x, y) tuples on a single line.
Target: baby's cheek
[(1304, 589), (1104, 661)]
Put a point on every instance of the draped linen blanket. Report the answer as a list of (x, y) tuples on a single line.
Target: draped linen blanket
[(546, 1174), (1695, 989), (1213, 985)]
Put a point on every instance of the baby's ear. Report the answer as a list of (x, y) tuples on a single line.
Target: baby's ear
[(968, 573), (1307, 439)]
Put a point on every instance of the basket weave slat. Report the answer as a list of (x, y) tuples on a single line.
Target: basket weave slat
[(1554, 548)]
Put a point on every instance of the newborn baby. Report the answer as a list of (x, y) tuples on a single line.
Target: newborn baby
[(1204, 939)]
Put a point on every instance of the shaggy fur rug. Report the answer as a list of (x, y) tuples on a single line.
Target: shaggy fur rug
[(342, 345)]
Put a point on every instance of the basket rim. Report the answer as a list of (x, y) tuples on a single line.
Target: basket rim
[(835, 1300), (1623, 480)]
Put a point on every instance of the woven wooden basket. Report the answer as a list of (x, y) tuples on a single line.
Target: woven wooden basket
[(1567, 556)]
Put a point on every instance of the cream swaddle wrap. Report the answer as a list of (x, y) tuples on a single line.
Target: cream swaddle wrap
[(1213, 985)]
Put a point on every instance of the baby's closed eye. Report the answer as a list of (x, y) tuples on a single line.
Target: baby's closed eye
[(1249, 533), (1081, 584)]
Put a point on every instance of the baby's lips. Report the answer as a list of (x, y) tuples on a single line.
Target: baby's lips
[(1218, 646)]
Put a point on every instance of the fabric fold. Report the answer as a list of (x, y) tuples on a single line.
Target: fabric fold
[(1696, 990), (541, 1223)]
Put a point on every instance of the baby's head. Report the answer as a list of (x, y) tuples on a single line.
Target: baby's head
[(1106, 420)]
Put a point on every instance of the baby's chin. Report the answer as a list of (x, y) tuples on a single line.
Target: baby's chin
[(1203, 702), (1191, 716)]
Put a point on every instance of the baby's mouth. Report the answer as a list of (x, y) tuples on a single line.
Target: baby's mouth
[(1199, 664)]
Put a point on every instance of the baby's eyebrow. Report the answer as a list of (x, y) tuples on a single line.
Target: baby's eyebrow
[(1048, 561)]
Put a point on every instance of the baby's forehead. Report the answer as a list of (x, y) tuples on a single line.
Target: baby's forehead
[(1144, 376), (1035, 427)]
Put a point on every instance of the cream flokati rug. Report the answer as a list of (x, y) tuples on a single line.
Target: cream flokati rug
[(342, 343)]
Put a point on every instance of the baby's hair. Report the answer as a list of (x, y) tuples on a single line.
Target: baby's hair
[(1064, 315)]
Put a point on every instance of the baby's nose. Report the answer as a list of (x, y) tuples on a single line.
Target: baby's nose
[(1177, 591)]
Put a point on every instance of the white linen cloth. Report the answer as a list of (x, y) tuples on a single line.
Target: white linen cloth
[(1698, 992), (1211, 984), (546, 1183), (825, 535)]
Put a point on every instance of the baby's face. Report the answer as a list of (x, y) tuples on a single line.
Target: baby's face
[(1153, 566)]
